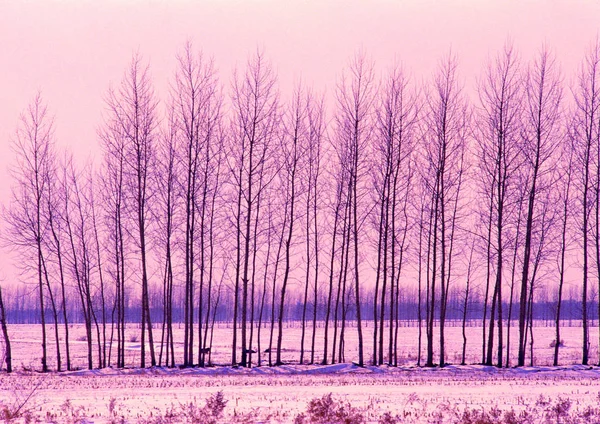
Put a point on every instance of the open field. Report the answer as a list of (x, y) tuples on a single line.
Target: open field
[(280, 394), (26, 350)]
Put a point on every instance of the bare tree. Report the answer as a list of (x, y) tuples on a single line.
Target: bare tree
[(337, 212), (77, 226), (312, 150), (465, 306), (355, 97), (565, 183), (586, 135), (196, 103), (396, 119), (254, 124), (55, 217), (167, 189), (293, 152), (214, 178), (48, 217), (541, 136), (98, 265), (316, 120), (521, 194), (446, 118), (113, 178), (7, 349), (132, 110), (34, 149), (498, 149)]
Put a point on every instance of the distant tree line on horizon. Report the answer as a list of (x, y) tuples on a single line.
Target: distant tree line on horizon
[(25, 310), (217, 203)]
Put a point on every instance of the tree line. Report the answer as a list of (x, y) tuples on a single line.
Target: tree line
[(239, 202)]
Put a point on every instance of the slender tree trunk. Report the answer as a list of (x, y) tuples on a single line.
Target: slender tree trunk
[(466, 308), (331, 274), (54, 316), (286, 274), (7, 348), (512, 280)]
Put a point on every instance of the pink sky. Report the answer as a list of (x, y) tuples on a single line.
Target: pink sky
[(73, 50)]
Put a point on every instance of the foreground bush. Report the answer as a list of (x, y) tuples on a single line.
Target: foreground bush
[(326, 410)]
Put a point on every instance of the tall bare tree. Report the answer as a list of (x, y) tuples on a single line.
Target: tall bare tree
[(316, 138), (500, 92), (167, 216), (565, 182), (446, 119), (396, 118), (7, 348), (293, 150), (586, 135), (541, 137), (115, 218), (132, 111), (196, 103), (253, 130), (33, 146), (55, 216), (354, 130)]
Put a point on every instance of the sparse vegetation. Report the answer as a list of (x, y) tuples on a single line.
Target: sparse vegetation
[(327, 410), (354, 398)]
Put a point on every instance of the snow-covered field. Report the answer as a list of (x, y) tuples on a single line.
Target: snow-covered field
[(25, 340), (280, 394)]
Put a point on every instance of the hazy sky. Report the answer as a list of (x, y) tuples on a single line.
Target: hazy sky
[(73, 50)]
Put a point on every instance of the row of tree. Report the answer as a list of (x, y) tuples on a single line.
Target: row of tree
[(406, 187)]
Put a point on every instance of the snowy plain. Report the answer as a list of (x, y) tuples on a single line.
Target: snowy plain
[(280, 394)]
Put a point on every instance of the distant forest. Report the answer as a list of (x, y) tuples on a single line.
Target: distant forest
[(25, 310), (390, 200)]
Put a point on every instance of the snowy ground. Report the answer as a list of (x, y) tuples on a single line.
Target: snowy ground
[(25, 340), (279, 394)]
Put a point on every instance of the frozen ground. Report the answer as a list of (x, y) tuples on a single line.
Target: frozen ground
[(279, 394), (25, 340)]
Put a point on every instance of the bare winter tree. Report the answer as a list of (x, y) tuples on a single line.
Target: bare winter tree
[(33, 146), (81, 259), (47, 263), (253, 130), (517, 245), (465, 306), (396, 119), (586, 135), (354, 131), (55, 216), (337, 210), (270, 242), (196, 101), (542, 135), (115, 219), (565, 183), (212, 181), (293, 153), (132, 115), (313, 195), (498, 132), (343, 227), (446, 119), (97, 260), (167, 224), (7, 349), (278, 225)]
